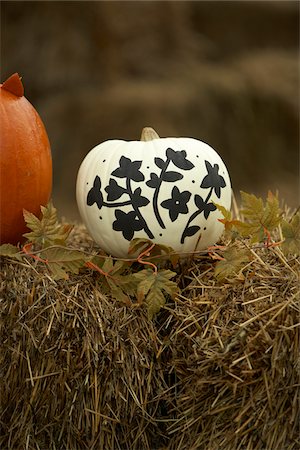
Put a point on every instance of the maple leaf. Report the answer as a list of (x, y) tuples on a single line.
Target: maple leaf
[(61, 260), (47, 230), (114, 282), (153, 287), (291, 234), (233, 261), (260, 218), (228, 221), (158, 252), (117, 291), (108, 267), (138, 245), (10, 250)]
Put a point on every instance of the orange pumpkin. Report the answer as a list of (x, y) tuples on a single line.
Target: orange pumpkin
[(25, 161)]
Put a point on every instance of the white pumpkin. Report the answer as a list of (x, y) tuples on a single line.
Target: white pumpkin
[(161, 189)]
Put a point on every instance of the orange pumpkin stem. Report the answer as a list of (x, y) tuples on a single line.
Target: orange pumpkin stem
[(14, 85)]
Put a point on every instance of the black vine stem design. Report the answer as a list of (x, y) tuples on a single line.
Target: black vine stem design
[(215, 182), (136, 209), (203, 206), (178, 158), (163, 165)]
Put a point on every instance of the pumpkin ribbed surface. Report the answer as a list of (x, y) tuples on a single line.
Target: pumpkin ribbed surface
[(163, 190), (25, 161)]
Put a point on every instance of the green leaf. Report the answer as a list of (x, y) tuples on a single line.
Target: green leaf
[(260, 218), (291, 234), (47, 230), (11, 251), (61, 260), (233, 262), (153, 287)]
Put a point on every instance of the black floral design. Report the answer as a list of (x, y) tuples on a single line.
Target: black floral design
[(177, 204), (114, 191), (129, 169), (128, 223), (95, 194), (138, 200), (207, 208), (215, 182), (178, 158), (126, 194), (213, 179)]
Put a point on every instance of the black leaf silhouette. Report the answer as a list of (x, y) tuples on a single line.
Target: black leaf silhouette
[(213, 179), (95, 194), (171, 176), (160, 163), (154, 181), (190, 231), (129, 169), (114, 191), (178, 158), (138, 200), (203, 206)]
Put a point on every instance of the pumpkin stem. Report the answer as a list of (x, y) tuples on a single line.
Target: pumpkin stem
[(14, 85), (148, 134)]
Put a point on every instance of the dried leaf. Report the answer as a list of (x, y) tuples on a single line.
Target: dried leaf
[(160, 253), (260, 218), (61, 260), (47, 230), (233, 262), (11, 251), (291, 234), (138, 245), (116, 292), (152, 288), (155, 301), (228, 221)]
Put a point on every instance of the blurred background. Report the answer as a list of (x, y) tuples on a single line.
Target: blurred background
[(223, 72)]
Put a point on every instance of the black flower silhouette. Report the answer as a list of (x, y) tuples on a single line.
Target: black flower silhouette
[(213, 179), (178, 158), (177, 204), (95, 194), (129, 169), (128, 223), (207, 208)]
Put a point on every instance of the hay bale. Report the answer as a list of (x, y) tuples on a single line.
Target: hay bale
[(218, 368)]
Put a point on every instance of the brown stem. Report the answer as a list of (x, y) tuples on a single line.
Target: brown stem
[(148, 134), (14, 85)]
